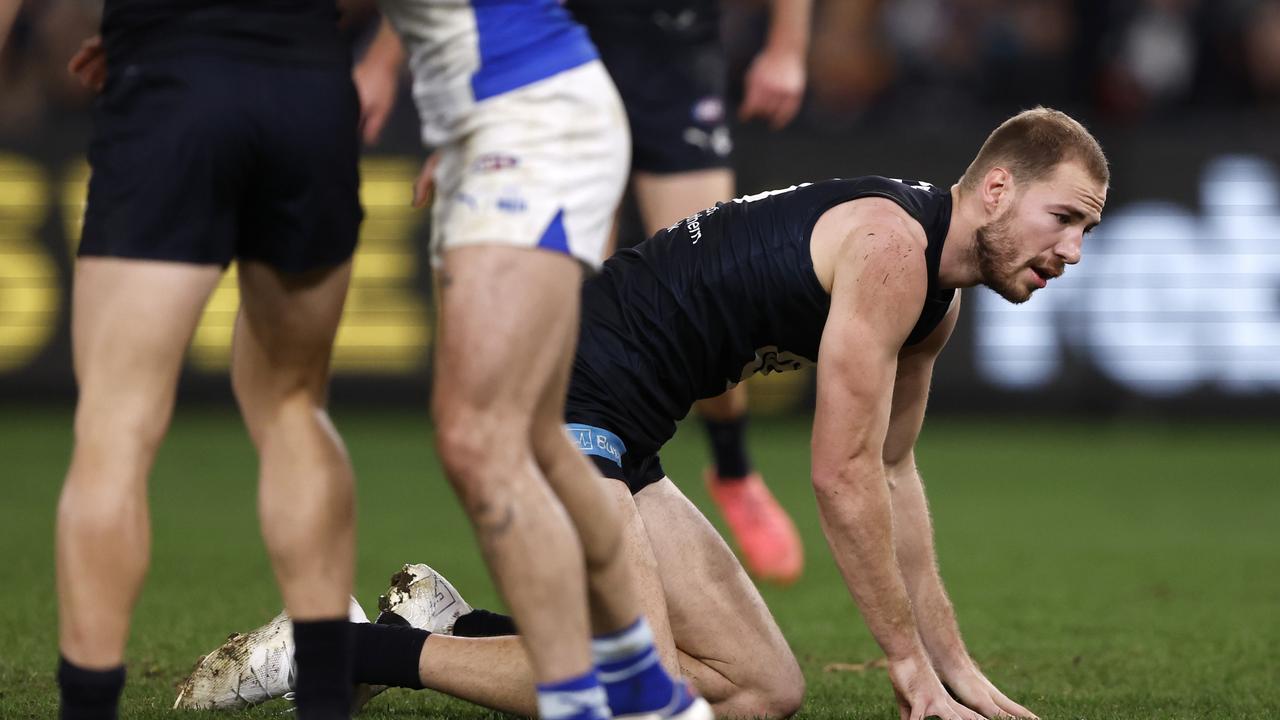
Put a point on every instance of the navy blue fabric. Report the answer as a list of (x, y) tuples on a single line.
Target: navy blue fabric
[(718, 296), (287, 31), (204, 159)]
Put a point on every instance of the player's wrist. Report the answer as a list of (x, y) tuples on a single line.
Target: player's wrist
[(954, 665)]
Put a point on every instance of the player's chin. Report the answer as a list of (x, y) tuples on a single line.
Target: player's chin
[(1014, 291)]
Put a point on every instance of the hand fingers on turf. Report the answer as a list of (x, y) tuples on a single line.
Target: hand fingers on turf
[(1012, 708), (987, 707), (965, 713)]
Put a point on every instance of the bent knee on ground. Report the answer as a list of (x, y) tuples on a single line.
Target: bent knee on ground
[(773, 687)]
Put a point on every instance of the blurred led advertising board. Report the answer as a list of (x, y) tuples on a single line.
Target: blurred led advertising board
[(1174, 309)]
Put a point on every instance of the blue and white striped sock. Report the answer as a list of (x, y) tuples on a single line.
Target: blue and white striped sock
[(580, 698), (628, 667)]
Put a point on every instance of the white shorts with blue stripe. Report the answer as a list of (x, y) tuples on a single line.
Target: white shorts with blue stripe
[(541, 166)]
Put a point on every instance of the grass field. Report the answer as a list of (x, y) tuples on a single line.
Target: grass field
[(1099, 571)]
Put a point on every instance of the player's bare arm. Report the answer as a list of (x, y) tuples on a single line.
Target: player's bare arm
[(376, 77), (913, 532), (878, 284), (775, 81)]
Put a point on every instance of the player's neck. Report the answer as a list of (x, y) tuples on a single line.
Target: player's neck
[(958, 267)]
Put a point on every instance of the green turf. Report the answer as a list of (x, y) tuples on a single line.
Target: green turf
[(1099, 571)]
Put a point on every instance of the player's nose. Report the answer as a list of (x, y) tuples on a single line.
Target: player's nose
[(1069, 249)]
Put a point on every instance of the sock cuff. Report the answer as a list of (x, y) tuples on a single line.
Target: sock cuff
[(585, 681), (575, 698), (89, 693), (482, 623), (627, 643)]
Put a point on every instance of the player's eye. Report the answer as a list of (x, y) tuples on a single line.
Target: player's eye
[(1063, 218)]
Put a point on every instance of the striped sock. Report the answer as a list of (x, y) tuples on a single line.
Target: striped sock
[(628, 667), (579, 698)]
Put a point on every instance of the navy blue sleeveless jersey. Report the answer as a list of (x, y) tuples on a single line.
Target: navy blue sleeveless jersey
[(281, 31), (720, 296)]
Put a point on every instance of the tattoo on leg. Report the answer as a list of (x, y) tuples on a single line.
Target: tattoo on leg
[(490, 520)]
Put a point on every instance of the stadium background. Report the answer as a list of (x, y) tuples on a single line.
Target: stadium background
[(1110, 449)]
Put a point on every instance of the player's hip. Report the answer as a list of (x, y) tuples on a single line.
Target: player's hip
[(541, 167), (203, 159)]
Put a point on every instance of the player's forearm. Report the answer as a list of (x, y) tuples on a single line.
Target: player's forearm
[(856, 514), (386, 52), (913, 539), (789, 25)]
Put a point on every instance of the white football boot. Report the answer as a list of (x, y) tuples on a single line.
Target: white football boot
[(422, 598), (250, 668)]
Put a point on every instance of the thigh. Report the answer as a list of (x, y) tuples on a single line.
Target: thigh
[(717, 615), (285, 331), (508, 324), (542, 167), (640, 558), (664, 199), (131, 321)]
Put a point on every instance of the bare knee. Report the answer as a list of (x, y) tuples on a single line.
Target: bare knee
[(786, 692), (774, 689), (119, 436), (270, 400), (479, 448)]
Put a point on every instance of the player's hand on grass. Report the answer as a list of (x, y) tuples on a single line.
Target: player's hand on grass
[(377, 84), (920, 693), (424, 186), (975, 690), (89, 64), (774, 87)]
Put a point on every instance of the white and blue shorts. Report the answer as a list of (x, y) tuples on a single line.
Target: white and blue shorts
[(541, 166)]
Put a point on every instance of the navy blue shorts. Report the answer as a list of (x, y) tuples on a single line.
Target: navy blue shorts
[(205, 158), (674, 94)]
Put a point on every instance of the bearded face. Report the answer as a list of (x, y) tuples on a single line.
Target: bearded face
[(999, 261)]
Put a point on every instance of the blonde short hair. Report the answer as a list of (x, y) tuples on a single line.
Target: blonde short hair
[(1033, 143)]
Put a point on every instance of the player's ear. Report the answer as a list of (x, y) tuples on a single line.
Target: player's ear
[(996, 189)]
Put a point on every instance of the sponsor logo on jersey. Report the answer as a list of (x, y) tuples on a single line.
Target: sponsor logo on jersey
[(770, 359)]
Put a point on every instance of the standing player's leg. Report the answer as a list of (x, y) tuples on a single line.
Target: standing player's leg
[(503, 333), (770, 544), (131, 323), (628, 615), (306, 496)]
